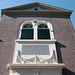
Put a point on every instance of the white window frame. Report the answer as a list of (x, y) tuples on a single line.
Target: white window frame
[(35, 24)]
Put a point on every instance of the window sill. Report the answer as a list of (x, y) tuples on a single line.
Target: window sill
[(36, 41)]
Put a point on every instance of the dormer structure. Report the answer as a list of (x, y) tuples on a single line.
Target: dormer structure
[(36, 33)]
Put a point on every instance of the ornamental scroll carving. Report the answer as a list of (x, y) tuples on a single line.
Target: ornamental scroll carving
[(35, 59)]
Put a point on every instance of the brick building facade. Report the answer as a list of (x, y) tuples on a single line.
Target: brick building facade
[(63, 31)]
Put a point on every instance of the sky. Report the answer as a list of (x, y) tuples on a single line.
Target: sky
[(67, 4)]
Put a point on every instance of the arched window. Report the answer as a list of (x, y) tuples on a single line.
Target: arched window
[(27, 32), (43, 32), (36, 30)]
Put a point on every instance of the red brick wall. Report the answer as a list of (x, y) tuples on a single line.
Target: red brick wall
[(63, 33)]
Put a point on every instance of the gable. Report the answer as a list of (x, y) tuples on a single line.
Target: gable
[(36, 7)]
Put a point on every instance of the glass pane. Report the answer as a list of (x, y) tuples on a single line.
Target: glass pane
[(28, 26), (43, 34), (27, 34), (42, 26)]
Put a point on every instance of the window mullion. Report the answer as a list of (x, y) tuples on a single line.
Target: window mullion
[(35, 32)]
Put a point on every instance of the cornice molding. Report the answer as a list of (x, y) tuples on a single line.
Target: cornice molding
[(51, 66), (36, 12), (49, 9)]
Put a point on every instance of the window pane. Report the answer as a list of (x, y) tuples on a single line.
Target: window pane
[(42, 26), (28, 26), (43, 34), (27, 34)]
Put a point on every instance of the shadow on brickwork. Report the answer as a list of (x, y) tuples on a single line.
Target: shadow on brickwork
[(1, 41), (36, 15), (65, 71), (58, 48)]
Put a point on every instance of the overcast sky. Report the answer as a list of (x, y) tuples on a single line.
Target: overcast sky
[(67, 4)]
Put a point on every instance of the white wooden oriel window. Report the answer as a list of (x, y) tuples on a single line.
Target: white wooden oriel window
[(36, 43)]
